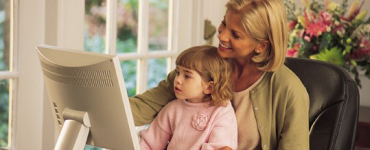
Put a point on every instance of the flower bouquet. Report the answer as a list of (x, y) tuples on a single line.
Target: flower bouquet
[(327, 31)]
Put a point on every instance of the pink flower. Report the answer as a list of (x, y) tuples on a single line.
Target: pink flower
[(308, 39), (344, 18), (363, 50), (364, 43), (200, 121), (315, 29), (314, 48), (340, 28), (301, 33), (315, 25), (327, 17), (292, 52), (292, 24), (360, 54), (297, 45)]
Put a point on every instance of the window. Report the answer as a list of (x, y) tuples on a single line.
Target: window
[(7, 74), (139, 32)]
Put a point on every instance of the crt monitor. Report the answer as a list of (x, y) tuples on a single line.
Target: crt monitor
[(88, 98)]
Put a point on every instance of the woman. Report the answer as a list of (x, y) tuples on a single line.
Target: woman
[(271, 103)]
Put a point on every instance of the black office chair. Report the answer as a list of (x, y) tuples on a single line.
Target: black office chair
[(334, 103)]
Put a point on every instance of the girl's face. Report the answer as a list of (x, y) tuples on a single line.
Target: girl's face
[(234, 41), (189, 85)]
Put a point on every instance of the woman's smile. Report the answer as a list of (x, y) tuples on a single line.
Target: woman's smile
[(223, 47)]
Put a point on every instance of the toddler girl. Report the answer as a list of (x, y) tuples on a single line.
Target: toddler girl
[(202, 116)]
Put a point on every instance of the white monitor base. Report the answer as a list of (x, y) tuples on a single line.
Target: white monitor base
[(74, 132)]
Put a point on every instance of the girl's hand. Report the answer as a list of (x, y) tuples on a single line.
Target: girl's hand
[(224, 148)]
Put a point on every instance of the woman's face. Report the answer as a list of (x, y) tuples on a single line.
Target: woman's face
[(234, 41)]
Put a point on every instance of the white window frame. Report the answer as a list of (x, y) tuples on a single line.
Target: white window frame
[(27, 90), (12, 74), (143, 54), (70, 34)]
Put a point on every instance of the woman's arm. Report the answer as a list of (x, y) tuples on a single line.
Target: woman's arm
[(295, 132), (145, 106)]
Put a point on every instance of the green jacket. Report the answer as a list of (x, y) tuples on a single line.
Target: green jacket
[(280, 102)]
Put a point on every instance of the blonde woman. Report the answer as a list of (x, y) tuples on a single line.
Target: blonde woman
[(201, 116), (270, 102)]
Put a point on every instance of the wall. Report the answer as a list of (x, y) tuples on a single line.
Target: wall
[(28, 110), (51, 32)]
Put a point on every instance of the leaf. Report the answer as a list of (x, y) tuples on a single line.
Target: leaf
[(347, 50), (334, 55), (326, 39), (353, 62), (306, 50)]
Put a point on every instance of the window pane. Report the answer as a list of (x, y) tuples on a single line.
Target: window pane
[(4, 112), (89, 147), (127, 25), (95, 22), (129, 74), (157, 71), (158, 24), (4, 34)]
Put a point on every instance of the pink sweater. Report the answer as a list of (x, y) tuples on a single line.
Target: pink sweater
[(191, 126)]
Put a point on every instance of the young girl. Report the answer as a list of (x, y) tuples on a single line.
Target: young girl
[(202, 116)]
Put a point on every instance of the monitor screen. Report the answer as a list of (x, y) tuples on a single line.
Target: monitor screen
[(90, 83)]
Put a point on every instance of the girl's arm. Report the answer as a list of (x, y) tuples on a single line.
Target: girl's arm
[(145, 106), (158, 134), (154, 137)]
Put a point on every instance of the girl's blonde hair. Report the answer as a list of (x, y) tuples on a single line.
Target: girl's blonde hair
[(264, 20), (211, 67)]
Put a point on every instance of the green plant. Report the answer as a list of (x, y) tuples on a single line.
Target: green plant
[(329, 32)]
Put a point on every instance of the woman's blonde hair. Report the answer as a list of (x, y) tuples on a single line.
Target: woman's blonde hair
[(211, 67), (264, 20)]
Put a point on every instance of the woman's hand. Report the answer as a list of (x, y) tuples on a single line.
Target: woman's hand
[(224, 148)]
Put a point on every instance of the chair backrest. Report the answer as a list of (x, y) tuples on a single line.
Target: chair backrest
[(334, 103)]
